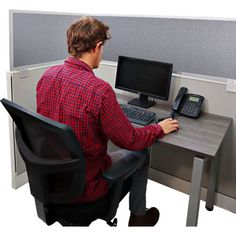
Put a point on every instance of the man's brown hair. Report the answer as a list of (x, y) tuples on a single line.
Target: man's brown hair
[(84, 34)]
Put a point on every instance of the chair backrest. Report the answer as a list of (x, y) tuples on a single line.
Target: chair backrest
[(54, 160)]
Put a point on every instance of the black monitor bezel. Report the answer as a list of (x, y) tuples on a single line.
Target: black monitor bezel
[(170, 65)]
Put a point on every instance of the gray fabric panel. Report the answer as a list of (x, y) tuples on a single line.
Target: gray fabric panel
[(196, 46)]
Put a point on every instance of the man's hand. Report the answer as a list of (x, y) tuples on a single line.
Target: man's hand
[(169, 125)]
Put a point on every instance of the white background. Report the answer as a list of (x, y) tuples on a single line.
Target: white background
[(16, 207)]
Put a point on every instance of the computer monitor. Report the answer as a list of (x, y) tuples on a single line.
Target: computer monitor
[(145, 77)]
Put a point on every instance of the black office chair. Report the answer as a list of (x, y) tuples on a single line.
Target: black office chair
[(56, 171)]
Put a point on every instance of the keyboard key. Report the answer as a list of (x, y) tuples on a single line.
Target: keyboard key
[(137, 115)]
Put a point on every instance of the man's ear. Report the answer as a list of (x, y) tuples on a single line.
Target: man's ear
[(99, 44)]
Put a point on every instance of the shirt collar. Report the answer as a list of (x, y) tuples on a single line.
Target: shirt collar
[(71, 61)]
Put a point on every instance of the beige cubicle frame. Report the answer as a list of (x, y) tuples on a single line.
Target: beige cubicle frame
[(21, 89)]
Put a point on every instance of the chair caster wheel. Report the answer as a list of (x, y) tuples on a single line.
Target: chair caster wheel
[(112, 223), (209, 208)]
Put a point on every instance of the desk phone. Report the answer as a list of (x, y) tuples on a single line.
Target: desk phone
[(188, 104)]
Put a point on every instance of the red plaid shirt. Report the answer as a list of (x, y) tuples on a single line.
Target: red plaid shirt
[(73, 95)]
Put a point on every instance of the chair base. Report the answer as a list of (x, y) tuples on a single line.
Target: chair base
[(66, 223)]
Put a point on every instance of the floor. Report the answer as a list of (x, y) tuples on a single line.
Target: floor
[(18, 214)]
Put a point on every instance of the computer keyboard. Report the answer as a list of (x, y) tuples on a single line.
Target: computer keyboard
[(137, 115)]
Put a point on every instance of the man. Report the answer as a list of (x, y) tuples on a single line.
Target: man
[(73, 95)]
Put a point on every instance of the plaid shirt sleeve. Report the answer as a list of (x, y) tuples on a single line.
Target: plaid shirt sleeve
[(120, 131)]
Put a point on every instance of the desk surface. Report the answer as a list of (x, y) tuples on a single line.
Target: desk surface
[(203, 136)]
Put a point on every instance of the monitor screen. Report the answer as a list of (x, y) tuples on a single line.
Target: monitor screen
[(145, 77)]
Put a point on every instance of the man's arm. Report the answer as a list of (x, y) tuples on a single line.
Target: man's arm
[(120, 131)]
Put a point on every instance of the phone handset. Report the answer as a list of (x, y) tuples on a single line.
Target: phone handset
[(176, 105)]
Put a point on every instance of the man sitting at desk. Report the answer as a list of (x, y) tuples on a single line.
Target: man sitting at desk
[(73, 95)]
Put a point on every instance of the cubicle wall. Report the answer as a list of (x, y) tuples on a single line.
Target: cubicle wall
[(166, 167), (195, 46)]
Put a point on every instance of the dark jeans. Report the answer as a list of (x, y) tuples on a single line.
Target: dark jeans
[(138, 181)]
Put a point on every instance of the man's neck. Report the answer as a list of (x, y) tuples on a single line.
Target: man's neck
[(88, 60)]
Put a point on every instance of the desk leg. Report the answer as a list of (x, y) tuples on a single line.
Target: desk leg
[(195, 191), (214, 167)]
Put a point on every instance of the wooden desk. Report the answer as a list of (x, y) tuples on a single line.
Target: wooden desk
[(203, 137)]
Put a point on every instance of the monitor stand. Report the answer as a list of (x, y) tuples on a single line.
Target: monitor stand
[(142, 101)]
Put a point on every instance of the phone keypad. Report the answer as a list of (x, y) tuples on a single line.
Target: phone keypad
[(190, 108)]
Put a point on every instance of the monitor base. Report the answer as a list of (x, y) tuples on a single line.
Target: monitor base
[(144, 103)]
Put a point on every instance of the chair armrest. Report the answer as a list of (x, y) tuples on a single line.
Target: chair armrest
[(124, 168)]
